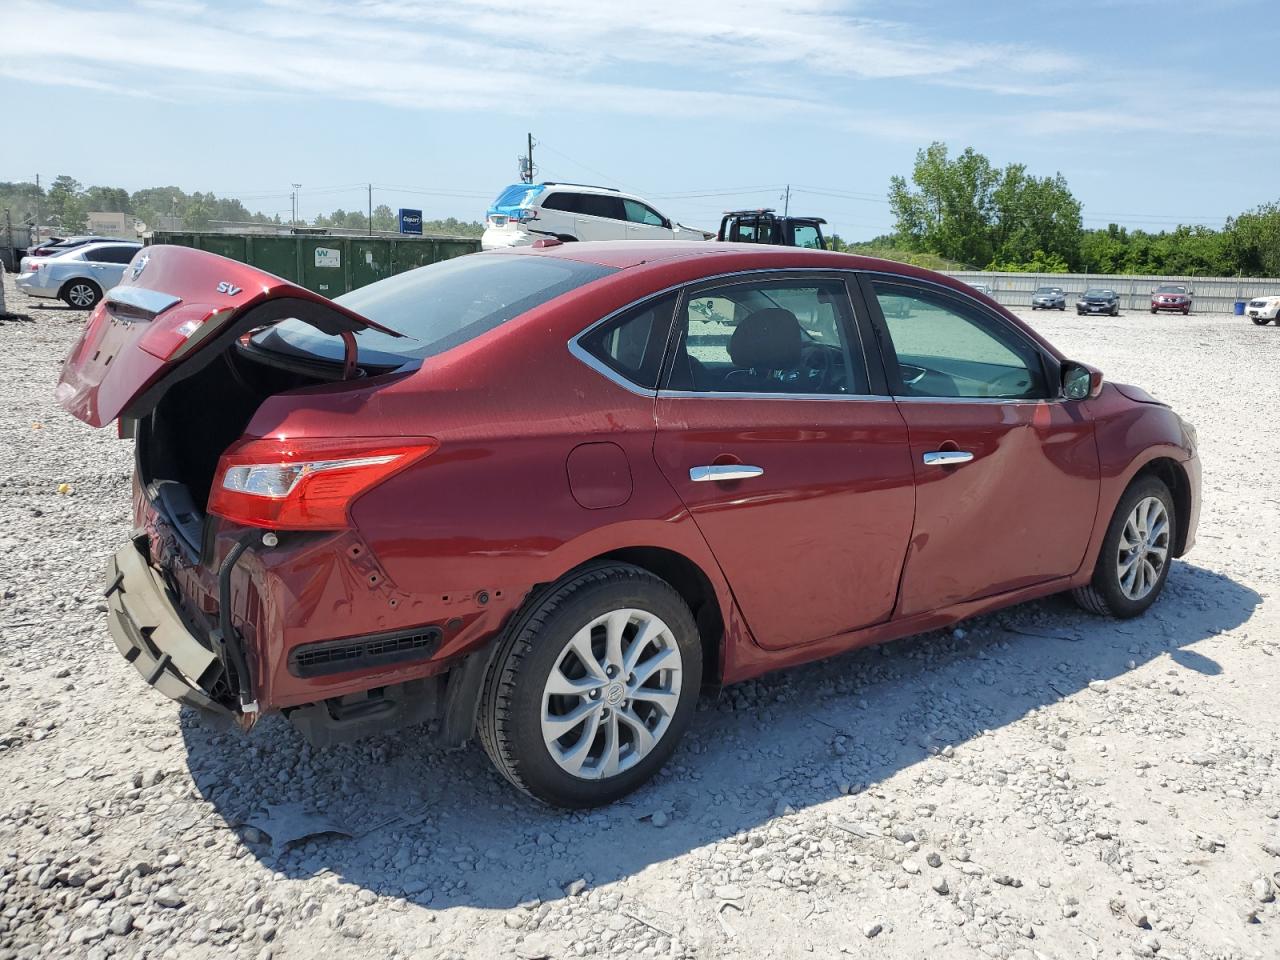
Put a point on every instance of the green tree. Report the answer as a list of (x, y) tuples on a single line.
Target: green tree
[(384, 218), (950, 210), (107, 200), (968, 210), (66, 205), (1251, 243)]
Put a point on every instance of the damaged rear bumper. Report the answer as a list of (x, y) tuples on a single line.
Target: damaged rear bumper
[(150, 634)]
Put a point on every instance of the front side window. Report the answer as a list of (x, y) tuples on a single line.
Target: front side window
[(632, 344), (948, 348), (773, 337), (638, 212)]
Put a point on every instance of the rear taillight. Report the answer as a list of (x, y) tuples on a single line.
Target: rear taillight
[(306, 484)]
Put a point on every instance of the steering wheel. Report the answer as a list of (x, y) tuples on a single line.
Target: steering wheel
[(825, 367)]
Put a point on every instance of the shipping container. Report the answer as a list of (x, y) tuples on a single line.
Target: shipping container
[(327, 264)]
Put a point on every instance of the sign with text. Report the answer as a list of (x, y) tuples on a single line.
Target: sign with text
[(410, 221)]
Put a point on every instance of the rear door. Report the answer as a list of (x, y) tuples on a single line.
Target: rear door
[(781, 443), (1007, 471), (600, 217), (107, 262), (177, 306)]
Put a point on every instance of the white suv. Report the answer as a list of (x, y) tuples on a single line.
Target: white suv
[(525, 212)]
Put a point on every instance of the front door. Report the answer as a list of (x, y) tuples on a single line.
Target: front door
[(793, 465), (1007, 471), (644, 222)]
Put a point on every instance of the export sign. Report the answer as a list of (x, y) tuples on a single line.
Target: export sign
[(410, 221)]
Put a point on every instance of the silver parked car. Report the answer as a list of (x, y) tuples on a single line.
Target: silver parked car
[(78, 277), (1049, 298)]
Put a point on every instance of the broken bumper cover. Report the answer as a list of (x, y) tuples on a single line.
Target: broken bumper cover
[(150, 634)]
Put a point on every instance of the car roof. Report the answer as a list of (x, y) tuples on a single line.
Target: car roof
[(724, 257)]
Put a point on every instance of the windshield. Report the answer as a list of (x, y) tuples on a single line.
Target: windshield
[(1171, 288), (1049, 290), (1098, 292), (439, 306)]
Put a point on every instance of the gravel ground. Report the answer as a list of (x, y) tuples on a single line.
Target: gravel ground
[(1038, 783)]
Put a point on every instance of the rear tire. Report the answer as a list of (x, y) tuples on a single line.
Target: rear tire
[(579, 639), (80, 294), (1125, 579)]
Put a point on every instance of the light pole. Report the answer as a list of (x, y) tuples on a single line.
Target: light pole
[(296, 204)]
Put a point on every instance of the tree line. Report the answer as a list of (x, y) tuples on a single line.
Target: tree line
[(65, 204), (966, 210)]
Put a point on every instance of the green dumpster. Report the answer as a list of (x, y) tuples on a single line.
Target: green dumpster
[(328, 264)]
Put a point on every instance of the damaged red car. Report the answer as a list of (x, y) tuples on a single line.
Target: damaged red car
[(545, 496)]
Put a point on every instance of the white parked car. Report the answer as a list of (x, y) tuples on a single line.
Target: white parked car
[(525, 212), (79, 277), (1263, 309)]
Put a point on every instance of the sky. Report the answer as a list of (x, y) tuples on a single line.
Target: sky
[(1157, 112)]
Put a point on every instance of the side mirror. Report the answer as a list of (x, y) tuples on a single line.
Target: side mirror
[(1080, 381)]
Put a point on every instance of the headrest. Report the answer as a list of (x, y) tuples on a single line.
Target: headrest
[(767, 340)]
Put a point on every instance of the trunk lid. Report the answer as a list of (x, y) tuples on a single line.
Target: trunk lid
[(174, 311)]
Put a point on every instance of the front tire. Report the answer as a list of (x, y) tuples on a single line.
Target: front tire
[(592, 687), (81, 294), (1133, 563), (1115, 311), (1263, 321)]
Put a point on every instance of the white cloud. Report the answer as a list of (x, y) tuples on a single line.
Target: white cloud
[(667, 57)]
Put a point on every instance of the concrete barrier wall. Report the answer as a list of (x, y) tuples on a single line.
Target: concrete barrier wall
[(1211, 294)]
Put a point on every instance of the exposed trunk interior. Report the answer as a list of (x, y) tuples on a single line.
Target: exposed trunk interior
[(180, 441)]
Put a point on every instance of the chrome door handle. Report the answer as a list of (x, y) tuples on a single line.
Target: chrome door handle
[(946, 458), (726, 471)]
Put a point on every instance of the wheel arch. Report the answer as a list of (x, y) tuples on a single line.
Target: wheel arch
[(695, 588), (687, 578), (1174, 476)]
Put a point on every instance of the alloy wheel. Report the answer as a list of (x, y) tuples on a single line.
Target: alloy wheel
[(611, 694), (1144, 548), (82, 295)]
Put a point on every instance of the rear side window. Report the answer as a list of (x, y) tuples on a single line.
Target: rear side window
[(439, 306), (632, 343), (599, 205), (111, 254), (568, 202)]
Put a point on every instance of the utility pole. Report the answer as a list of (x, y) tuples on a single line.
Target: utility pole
[(526, 163), (35, 233), (296, 202), (786, 201), (371, 209)]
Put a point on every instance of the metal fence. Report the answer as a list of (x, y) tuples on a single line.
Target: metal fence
[(1210, 294)]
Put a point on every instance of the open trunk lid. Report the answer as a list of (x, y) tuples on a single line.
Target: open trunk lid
[(174, 311)]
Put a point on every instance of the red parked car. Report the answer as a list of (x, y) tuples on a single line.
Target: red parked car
[(546, 495), (1171, 296)]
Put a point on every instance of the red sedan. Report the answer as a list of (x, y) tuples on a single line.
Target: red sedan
[(547, 495)]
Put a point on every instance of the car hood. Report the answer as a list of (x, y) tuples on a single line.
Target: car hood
[(1137, 394)]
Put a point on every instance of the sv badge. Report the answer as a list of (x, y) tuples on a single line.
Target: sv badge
[(229, 289)]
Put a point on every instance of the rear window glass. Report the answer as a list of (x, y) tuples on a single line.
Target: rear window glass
[(440, 306)]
